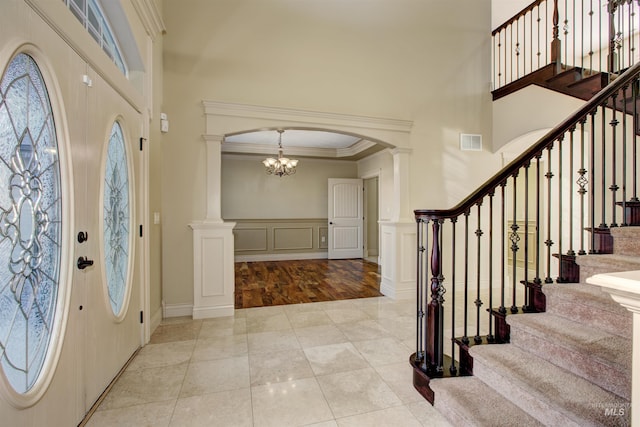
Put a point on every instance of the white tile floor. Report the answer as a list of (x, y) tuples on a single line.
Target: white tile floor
[(341, 363)]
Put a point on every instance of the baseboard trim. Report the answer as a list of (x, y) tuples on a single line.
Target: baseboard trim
[(281, 257), (389, 289), (177, 310), (209, 312)]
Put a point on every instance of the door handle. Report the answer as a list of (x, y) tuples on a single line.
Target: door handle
[(330, 222), (83, 262)]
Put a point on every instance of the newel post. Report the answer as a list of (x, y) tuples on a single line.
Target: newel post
[(556, 56), (435, 311)]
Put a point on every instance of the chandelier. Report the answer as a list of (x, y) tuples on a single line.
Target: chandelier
[(282, 165)]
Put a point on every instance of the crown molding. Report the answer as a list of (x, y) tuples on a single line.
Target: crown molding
[(150, 17), (355, 149), (264, 149)]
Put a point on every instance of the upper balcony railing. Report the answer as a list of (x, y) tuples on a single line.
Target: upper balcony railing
[(594, 35)]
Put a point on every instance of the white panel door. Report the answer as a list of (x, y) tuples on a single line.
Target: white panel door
[(345, 218), (112, 337)]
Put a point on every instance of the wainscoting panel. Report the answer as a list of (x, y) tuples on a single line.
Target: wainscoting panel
[(250, 239), (287, 238), (280, 239)]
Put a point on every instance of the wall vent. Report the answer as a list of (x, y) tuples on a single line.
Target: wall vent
[(470, 142)]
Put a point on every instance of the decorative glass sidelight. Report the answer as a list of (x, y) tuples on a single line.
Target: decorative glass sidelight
[(116, 222), (30, 223)]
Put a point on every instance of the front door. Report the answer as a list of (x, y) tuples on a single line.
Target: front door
[(67, 224), (345, 218), (113, 285)]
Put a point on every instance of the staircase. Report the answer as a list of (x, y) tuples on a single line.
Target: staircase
[(556, 351), (573, 81), (568, 366)]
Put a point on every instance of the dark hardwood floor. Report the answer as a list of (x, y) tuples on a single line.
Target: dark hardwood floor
[(268, 283)]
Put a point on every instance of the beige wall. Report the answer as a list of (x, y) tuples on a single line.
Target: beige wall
[(510, 123), (371, 216), (249, 193), (422, 60), (501, 10), (154, 146)]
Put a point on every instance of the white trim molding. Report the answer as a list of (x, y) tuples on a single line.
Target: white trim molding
[(398, 245), (150, 17), (281, 257), (177, 310), (213, 269), (244, 117)]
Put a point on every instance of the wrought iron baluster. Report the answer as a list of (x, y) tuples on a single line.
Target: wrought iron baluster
[(635, 86), (632, 32), (565, 29), (490, 336), (478, 302), (515, 238), (527, 302), (537, 279), (517, 50), (503, 228), (453, 369), (591, 36), (592, 180), (603, 168), (511, 44), (614, 186), (624, 154), (465, 337), (572, 131), (530, 38), (538, 53), (582, 38), (560, 277), (600, 32), (549, 242), (582, 184)]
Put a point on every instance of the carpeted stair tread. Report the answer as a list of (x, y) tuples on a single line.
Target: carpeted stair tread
[(467, 401), (593, 354), (608, 262), (551, 394), (625, 240), (587, 304)]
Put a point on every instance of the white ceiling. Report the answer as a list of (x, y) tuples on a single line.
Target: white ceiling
[(296, 138), (307, 143)]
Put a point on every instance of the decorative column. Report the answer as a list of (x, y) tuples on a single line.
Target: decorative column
[(213, 271), (401, 211), (624, 288), (398, 236)]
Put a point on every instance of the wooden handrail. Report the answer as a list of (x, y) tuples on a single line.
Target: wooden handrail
[(534, 151), (517, 16)]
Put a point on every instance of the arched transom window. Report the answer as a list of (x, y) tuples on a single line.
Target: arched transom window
[(91, 16)]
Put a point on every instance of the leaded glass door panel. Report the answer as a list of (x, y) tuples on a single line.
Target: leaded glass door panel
[(42, 293)]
